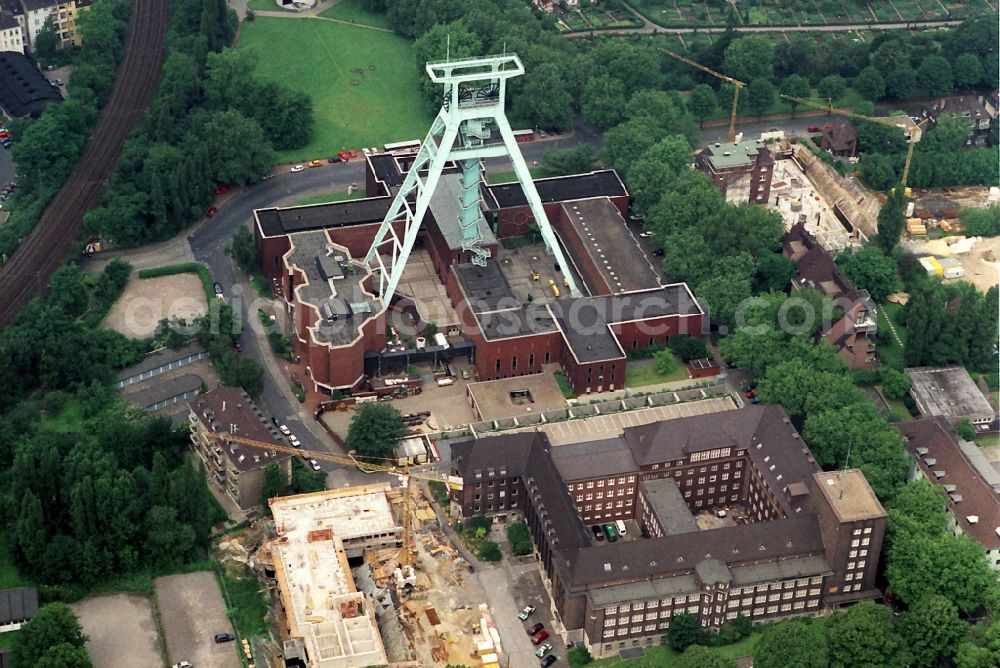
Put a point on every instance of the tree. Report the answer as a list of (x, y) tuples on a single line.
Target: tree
[(623, 144), (243, 250), (64, 656), (891, 220), (761, 96), (965, 429), (545, 100), (240, 152), (792, 644), (870, 84), (600, 102), (901, 82), (924, 317), (520, 538), (687, 347), (273, 485), (579, 656), (53, 625), (967, 70), (48, 46), (575, 160), (859, 427), (691, 199), (729, 285), (664, 362), (934, 75), (650, 176), (863, 637), (832, 87), (374, 431), (918, 508), (895, 383), (749, 59), (489, 551), (702, 102), (685, 630), (774, 272), (795, 85), (981, 222), (699, 656), (870, 269), (304, 479), (168, 541), (931, 630)]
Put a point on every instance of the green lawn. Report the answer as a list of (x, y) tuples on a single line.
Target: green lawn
[(322, 58), (351, 10), (637, 375), (330, 197), (892, 354), (246, 604), (9, 577), (661, 656), (265, 6), (68, 419)]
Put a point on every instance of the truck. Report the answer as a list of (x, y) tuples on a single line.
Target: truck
[(440, 340)]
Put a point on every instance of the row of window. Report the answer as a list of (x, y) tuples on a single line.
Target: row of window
[(579, 486), (642, 624), (591, 496)]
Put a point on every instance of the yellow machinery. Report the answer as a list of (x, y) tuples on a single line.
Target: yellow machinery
[(737, 86), (554, 288), (828, 107), (406, 554)]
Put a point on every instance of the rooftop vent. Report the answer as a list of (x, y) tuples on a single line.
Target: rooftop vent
[(939, 474), (607, 567), (972, 519)]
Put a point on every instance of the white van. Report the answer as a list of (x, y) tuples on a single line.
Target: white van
[(621, 527)]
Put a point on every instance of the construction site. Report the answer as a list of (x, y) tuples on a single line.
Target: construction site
[(345, 593)]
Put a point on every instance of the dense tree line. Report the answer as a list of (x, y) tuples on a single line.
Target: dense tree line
[(951, 324), (211, 122), (53, 638), (46, 148)]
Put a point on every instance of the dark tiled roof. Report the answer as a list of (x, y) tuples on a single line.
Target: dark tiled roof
[(592, 459), (841, 136), (33, 5), (162, 390), (23, 89), (18, 604), (278, 221), (933, 444), (158, 358), (603, 183), (658, 557), (226, 408)]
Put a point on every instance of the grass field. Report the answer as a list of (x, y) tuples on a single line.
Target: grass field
[(638, 374), (265, 6), (69, 418), (330, 197), (322, 58), (351, 10), (661, 656), (892, 354), (988, 440)]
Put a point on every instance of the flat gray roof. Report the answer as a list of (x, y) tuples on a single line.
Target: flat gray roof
[(668, 504), (592, 459), (165, 389), (159, 358), (949, 392)]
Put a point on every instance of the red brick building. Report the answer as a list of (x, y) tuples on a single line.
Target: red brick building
[(514, 326)]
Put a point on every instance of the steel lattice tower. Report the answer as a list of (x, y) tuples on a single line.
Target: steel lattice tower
[(472, 113)]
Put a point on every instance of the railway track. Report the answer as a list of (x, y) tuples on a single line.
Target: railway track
[(46, 247)]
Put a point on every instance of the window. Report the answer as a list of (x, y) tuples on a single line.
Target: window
[(757, 612), (638, 606), (786, 607), (868, 529), (650, 616), (513, 363), (861, 564), (600, 483), (849, 577), (636, 618), (863, 553), (771, 609), (865, 541), (610, 621), (854, 543), (856, 532), (850, 565), (853, 554), (547, 356), (498, 365), (665, 614), (531, 360)]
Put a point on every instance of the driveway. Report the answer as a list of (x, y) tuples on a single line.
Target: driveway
[(509, 588)]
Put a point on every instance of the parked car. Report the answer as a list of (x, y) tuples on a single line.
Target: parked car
[(526, 612), (543, 650), (352, 153), (332, 159), (297, 168), (274, 420), (366, 151), (221, 190), (539, 637), (294, 440), (315, 465), (59, 82), (267, 176), (182, 664), (548, 661), (535, 629), (284, 430), (343, 156), (814, 128), (315, 163), (4, 134), (218, 289), (645, 235), (224, 637), (598, 532), (658, 252), (211, 212)]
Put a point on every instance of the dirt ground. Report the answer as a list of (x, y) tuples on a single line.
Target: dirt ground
[(192, 611), (980, 270), (146, 301), (121, 630)]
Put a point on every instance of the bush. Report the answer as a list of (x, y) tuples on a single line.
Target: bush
[(688, 347), (685, 630), (520, 539), (665, 363), (965, 430), (895, 383), (579, 656), (480, 522), (489, 551), (439, 491)]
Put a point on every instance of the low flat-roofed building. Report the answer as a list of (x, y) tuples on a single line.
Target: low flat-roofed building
[(238, 469), (17, 606), (949, 392), (159, 362), (328, 619), (24, 91), (969, 480)]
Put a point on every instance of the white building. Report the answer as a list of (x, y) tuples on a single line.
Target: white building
[(64, 15), (11, 34)]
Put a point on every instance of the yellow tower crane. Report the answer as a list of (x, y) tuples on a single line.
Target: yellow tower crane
[(828, 107), (403, 472), (737, 86)]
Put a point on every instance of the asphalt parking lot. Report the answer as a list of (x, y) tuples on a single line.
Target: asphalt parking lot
[(509, 588), (192, 612), (120, 629)]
